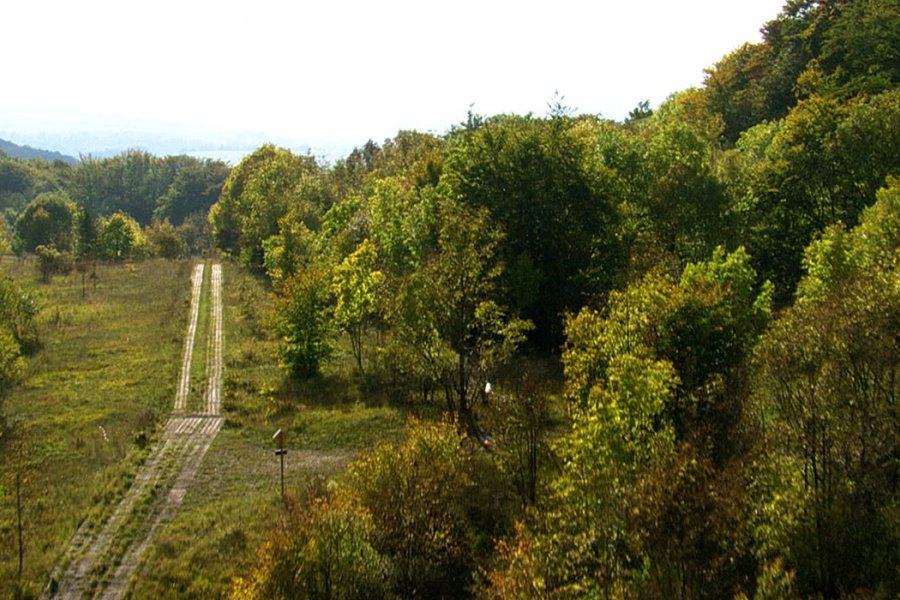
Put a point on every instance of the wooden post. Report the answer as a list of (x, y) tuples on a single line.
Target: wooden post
[(280, 451), (19, 521)]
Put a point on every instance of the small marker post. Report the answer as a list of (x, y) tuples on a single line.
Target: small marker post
[(280, 450)]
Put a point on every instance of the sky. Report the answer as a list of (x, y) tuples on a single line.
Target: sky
[(332, 74)]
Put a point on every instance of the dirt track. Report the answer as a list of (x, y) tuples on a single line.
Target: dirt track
[(100, 564), (184, 384)]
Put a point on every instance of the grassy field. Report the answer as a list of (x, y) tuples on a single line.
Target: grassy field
[(107, 373)]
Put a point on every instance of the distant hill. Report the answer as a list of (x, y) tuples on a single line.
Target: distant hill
[(28, 152)]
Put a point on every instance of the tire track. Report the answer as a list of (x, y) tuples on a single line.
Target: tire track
[(201, 439), (214, 354), (101, 564), (184, 384)]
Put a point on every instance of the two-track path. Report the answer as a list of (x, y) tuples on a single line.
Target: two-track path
[(99, 563)]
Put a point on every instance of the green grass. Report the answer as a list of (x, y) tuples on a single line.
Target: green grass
[(196, 401), (354, 427), (214, 536), (109, 363)]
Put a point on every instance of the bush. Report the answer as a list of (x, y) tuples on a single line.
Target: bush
[(165, 240), (322, 550), (51, 261), (432, 502)]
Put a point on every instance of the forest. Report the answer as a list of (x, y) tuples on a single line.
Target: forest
[(655, 358)]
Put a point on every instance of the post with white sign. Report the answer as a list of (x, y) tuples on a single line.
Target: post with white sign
[(280, 450)]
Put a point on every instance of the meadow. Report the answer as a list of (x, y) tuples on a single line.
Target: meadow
[(102, 383), (90, 402)]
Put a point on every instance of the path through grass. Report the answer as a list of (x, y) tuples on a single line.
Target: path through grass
[(114, 361), (106, 373)]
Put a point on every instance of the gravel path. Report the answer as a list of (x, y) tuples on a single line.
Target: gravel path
[(100, 564)]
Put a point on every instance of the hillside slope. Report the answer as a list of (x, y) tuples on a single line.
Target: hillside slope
[(28, 152)]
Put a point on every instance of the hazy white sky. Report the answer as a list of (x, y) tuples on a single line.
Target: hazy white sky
[(344, 71)]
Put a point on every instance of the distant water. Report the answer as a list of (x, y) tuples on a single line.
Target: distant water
[(232, 157)]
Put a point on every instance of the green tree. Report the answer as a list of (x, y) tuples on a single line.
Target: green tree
[(12, 364), (641, 111), (22, 180), (51, 261), (290, 250), (137, 183), (742, 89), (87, 234), (355, 286), (519, 422), (5, 242), (18, 314), (196, 233), (430, 499), (823, 166), (16, 184), (194, 188), (322, 549), (828, 48), (120, 238), (448, 311), (130, 183), (861, 49), (18, 335), (825, 394), (15, 176), (401, 222), (708, 332), (556, 203), (303, 322), (259, 192), (682, 200), (616, 435), (48, 220), (412, 156), (164, 240), (650, 498)]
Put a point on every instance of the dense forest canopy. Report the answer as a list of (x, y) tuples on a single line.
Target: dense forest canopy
[(716, 279), (713, 449)]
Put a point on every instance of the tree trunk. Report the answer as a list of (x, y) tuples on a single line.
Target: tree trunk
[(19, 523)]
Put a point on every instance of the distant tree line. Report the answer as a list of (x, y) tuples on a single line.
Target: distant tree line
[(129, 206)]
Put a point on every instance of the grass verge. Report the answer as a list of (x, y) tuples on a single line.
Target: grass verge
[(196, 401)]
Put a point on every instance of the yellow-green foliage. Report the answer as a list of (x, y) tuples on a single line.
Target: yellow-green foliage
[(321, 550)]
